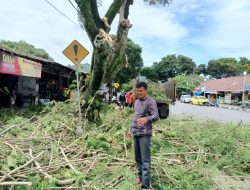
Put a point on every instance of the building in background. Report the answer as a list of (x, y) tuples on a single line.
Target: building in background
[(227, 90), (24, 79)]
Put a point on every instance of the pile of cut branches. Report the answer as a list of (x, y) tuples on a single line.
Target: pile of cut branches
[(42, 151), (39, 150)]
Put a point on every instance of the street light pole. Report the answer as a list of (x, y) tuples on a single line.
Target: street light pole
[(205, 80), (244, 84)]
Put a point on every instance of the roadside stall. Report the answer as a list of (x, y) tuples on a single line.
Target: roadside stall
[(18, 80), (26, 80)]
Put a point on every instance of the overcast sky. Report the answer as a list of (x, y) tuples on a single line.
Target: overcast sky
[(202, 30)]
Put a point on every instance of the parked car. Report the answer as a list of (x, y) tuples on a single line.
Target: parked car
[(186, 98), (200, 100)]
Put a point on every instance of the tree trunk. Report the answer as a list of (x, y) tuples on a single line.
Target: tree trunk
[(108, 56), (106, 63)]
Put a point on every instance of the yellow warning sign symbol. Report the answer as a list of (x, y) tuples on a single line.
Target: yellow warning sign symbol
[(76, 52)]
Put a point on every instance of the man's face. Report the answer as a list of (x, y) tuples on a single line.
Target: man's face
[(141, 92)]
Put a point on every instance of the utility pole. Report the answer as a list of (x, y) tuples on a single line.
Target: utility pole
[(244, 84)]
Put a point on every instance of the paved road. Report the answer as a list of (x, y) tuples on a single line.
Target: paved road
[(204, 112)]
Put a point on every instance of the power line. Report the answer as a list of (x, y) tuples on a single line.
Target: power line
[(73, 5), (60, 12), (84, 35), (66, 15)]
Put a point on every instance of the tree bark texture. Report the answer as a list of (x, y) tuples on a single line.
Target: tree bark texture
[(108, 56)]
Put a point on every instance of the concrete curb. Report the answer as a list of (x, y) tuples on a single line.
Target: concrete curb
[(235, 108)]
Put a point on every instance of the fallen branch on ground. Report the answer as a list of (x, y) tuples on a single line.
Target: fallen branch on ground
[(21, 183)]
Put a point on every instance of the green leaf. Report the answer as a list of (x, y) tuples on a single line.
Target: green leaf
[(11, 161)]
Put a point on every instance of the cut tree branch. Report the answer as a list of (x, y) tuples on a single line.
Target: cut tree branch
[(113, 10), (67, 160), (19, 183), (22, 166), (124, 25), (39, 167)]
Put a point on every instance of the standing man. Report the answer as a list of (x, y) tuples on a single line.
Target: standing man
[(145, 114)]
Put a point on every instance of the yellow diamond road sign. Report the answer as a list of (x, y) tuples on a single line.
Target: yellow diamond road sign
[(116, 85), (75, 52)]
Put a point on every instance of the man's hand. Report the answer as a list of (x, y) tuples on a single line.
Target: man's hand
[(129, 134), (142, 121)]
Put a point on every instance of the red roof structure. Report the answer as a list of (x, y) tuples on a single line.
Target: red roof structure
[(230, 84)]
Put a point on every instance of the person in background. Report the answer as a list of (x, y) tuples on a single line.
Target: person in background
[(118, 94), (130, 99), (145, 113), (13, 96), (122, 99), (127, 98)]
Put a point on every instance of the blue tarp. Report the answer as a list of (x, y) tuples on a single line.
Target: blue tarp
[(198, 93), (247, 87)]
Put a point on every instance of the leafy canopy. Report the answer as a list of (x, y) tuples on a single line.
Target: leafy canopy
[(135, 63), (187, 83), (163, 2), (169, 67), (224, 67)]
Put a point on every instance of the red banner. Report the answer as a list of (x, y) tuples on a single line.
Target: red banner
[(14, 65)]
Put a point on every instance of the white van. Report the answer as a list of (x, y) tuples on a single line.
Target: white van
[(186, 98)]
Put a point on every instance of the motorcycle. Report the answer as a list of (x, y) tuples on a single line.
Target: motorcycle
[(173, 102), (246, 105)]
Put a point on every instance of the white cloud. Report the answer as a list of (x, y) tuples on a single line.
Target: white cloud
[(200, 19), (231, 28), (189, 6), (41, 25), (227, 33), (202, 30), (38, 23), (155, 22)]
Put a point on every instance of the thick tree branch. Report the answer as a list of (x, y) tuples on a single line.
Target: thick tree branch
[(95, 13), (126, 10), (122, 11), (113, 10), (124, 24), (87, 18), (118, 58)]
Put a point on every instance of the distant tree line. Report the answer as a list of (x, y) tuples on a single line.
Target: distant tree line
[(171, 66), (24, 47), (225, 67)]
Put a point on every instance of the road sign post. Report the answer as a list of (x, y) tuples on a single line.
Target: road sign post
[(79, 130), (76, 53)]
